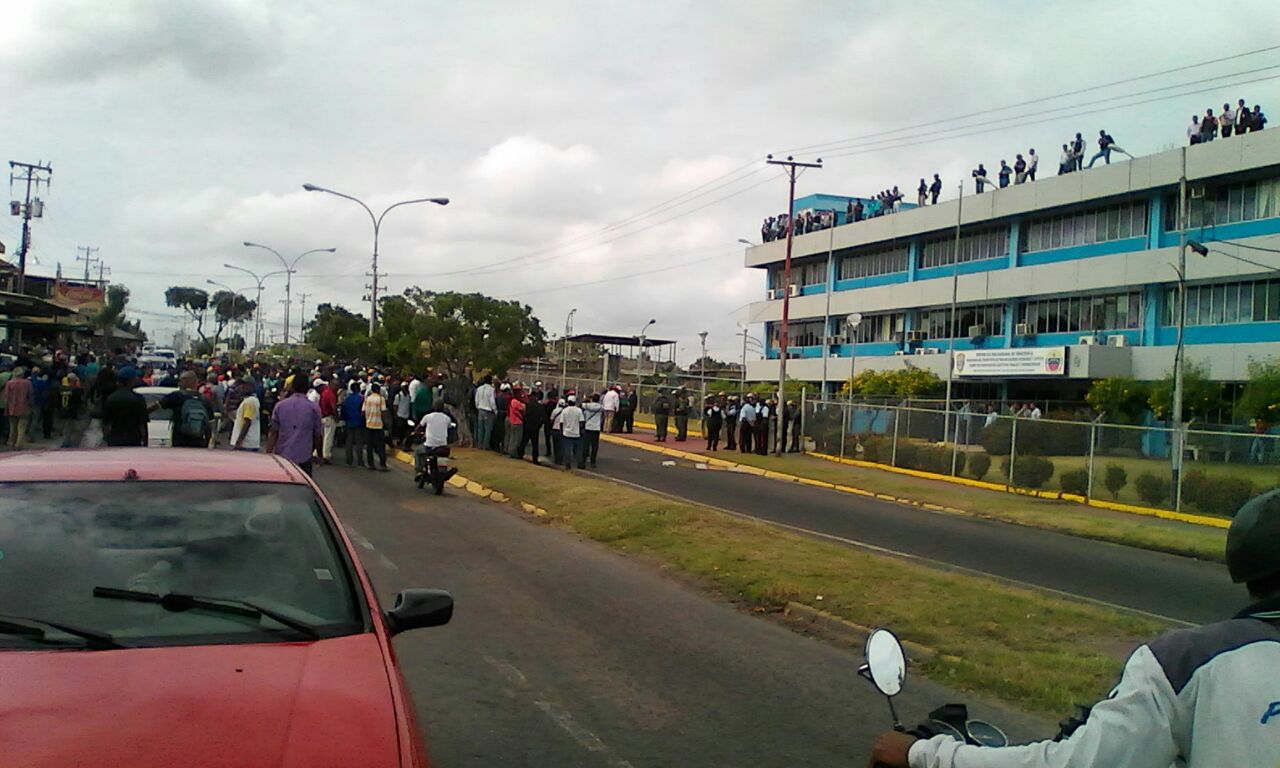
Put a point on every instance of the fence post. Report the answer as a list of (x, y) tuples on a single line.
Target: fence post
[(844, 426), (800, 438), (955, 444), (1013, 448), (1093, 438), (893, 454)]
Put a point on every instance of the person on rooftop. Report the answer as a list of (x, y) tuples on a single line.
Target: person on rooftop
[(1107, 145), (1193, 131), (1226, 121), (980, 180), (935, 189), (1208, 127), (1019, 170), (1004, 173), (922, 192)]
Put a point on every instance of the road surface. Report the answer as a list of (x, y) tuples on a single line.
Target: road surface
[(564, 653), (1170, 586)]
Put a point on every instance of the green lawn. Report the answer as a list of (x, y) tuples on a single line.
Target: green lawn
[(1037, 651)]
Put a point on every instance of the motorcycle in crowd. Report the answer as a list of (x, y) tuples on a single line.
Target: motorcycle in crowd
[(430, 465)]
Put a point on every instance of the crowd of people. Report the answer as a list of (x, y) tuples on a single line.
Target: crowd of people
[(750, 424), (1241, 119)]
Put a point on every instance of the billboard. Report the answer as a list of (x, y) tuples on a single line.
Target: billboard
[(1028, 361), (85, 299)]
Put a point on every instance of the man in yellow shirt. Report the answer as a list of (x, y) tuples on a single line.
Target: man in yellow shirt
[(374, 405)]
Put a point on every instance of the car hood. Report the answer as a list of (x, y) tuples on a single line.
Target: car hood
[(323, 703)]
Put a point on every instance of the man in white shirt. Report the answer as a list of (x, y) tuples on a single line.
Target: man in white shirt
[(487, 410), (435, 441), (1033, 161), (414, 386), (569, 420), (746, 424), (246, 433), (594, 416), (612, 400), (1035, 411)]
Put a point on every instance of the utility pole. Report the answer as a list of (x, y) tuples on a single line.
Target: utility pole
[(33, 174), (702, 366), (1179, 363), (371, 296), (102, 274), (564, 358), (88, 258), (302, 312), (951, 324), (793, 168)]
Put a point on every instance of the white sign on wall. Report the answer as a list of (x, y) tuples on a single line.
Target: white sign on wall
[(1029, 361)]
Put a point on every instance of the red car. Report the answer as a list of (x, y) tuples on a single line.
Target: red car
[(192, 608)]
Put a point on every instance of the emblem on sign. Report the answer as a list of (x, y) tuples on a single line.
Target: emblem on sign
[(959, 361), (1053, 363)]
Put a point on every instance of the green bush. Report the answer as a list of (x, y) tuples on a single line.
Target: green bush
[(1037, 438), (1115, 480), (928, 458), (1075, 481), (979, 465), (1028, 471), (877, 449), (1152, 489), (907, 451), (1216, 495)]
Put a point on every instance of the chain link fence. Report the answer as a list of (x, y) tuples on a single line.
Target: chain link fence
[(1221, 469)]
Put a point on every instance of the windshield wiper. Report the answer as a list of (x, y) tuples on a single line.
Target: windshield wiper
[(11, 625), (176, 601)]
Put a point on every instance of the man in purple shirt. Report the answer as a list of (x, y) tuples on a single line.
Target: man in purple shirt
[(296, 429)]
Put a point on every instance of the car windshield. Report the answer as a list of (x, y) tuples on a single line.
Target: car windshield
[(266, 544)]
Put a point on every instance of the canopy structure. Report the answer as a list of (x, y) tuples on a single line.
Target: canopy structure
[(18, 306), (619, 341)]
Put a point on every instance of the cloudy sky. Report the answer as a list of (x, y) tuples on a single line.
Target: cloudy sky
[(601, 155)]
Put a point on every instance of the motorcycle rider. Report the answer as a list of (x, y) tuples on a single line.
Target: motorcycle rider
[(1205, 696), (435, 442)]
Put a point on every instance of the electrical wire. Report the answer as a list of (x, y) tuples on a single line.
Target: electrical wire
[(1039, 100), (1246, 261)]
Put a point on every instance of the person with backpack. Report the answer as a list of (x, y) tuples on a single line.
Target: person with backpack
[(192, 415)]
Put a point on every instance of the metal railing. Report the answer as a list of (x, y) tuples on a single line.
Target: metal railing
[(1128, 464)]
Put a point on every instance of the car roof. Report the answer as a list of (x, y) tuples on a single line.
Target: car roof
[(154, 390), (150, 464)]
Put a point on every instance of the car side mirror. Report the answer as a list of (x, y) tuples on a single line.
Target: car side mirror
[(416, 608)]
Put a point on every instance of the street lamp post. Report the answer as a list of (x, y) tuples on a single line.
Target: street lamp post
[(377, 226), (289, 269), (564, 355), (257, 310), (702, 366)]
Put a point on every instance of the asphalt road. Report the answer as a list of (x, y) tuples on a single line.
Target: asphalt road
[(564, 653), (1178, 588)]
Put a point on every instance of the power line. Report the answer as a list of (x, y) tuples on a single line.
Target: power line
[(1024, 102)]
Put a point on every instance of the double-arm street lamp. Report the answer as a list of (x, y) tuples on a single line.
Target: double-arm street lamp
[(257, 311), (377, 226), (289, 268)]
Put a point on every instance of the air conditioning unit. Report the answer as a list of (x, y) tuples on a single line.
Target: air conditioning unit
[(775, 293), (834, 354), (977, 331), (1197, 192), (832, 341), (914, 337), (932, 351), (793, 290), (1088, 341), (1118, 340), (1023, 329), (923, 351), (899, 353)]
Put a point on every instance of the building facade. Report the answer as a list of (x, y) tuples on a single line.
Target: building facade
[(1057, 282)]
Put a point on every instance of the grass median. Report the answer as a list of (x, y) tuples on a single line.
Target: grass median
[(1061, 516), (1033, 650)]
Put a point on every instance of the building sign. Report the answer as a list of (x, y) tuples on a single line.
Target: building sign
[(1031, 361), (85, 299)]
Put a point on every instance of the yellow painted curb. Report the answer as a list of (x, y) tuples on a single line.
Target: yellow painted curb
[(1133, 509), (499, 497), (458, 481)]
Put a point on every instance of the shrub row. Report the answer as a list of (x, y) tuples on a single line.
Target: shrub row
[(1036, 438), (1216, 494), (1028, 471)]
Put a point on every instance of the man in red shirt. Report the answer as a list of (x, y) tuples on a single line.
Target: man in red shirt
[(328, 418), (17, 393), (515, 420)]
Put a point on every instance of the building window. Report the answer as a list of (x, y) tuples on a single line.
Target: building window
[(802, 273), (1098, 225), (881, 327), (990, 317), (1075, 314), (870, 263), (1249, 301), (801, 333), (1226, 204), (987, 244)]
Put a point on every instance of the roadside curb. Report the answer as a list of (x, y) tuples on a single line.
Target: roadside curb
[(840, 630), (749, 469), (1133, 509), (474, 488)]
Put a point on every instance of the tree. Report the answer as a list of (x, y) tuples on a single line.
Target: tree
[(1121, 400), (339, 332), (228, 308), (194, 302), (906, 382), (112, 315), (1261, 396), (1200, 395)]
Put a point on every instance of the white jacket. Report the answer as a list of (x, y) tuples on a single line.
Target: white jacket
[(1208, 696)]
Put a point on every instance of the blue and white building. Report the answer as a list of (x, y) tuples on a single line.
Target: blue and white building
[(1059, 281)]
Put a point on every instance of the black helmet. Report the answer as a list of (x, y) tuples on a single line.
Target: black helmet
[(1253, 541)]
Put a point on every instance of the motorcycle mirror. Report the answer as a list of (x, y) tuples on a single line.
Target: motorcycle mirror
[(886, 663)]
